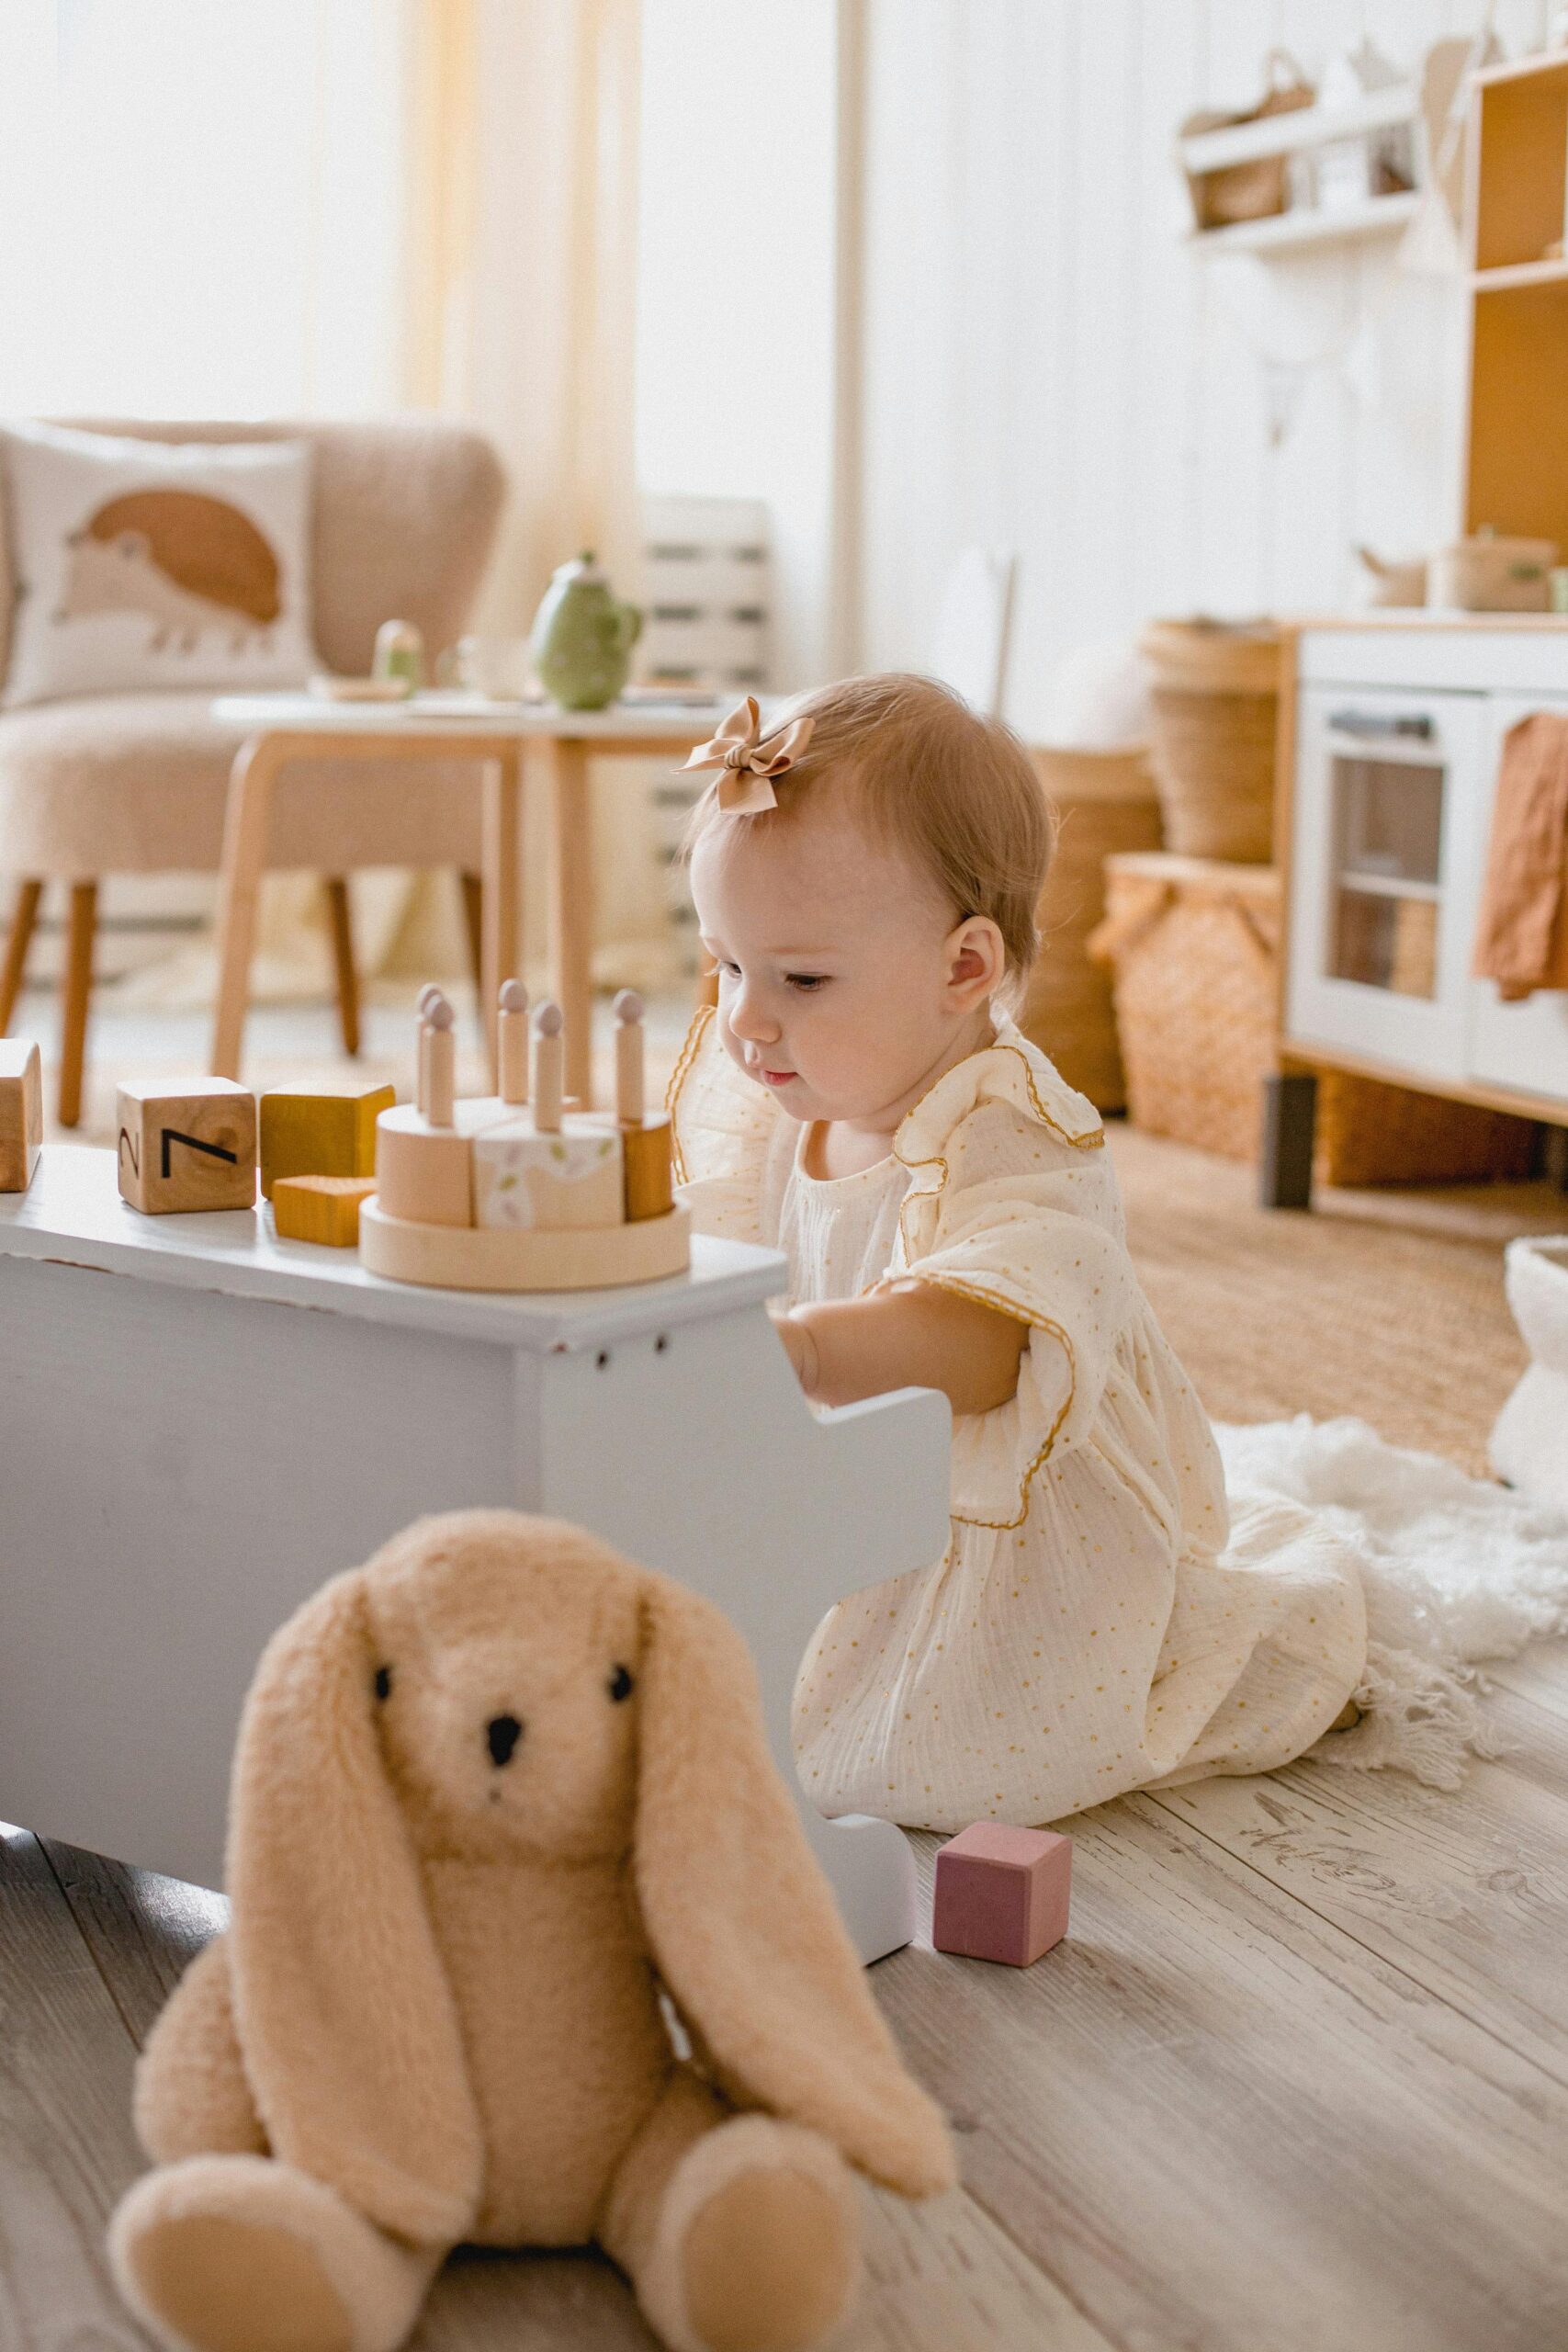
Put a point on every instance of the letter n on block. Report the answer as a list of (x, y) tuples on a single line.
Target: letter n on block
[(191, 1146)]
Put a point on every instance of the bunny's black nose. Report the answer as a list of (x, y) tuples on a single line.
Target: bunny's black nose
[(502, 1736)]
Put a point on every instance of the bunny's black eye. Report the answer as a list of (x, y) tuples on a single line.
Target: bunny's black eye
[(383, 1682), (620, 1685)]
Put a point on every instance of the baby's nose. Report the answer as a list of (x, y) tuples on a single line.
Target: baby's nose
[(502, 1736)]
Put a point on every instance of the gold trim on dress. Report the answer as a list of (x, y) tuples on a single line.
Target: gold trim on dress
[(677, 1076), (1035, 1323)]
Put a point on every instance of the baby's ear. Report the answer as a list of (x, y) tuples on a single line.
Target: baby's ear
[(741, 1921), (345, 2014)]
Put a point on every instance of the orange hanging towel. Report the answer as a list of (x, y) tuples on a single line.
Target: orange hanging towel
[(1522, 938)]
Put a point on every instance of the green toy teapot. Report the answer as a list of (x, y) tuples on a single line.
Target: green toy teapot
[(581, 640)]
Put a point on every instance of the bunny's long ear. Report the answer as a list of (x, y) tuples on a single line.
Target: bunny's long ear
[(742, 1922), (345, 2014)]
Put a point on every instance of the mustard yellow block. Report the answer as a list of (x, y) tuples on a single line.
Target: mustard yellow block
[(320, 1208), (320, 1135)]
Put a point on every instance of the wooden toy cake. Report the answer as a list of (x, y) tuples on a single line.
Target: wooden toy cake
[(511, 1191)]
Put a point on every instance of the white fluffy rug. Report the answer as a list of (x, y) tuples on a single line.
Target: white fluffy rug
[(1456, 1570)]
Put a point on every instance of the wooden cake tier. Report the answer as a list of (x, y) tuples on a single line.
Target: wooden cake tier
[(467, 1257)]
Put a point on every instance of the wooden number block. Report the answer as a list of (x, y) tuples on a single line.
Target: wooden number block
[(424, 1173), (191, 1146), (649, 1166), (320, 1135), (323, 1209), (1001, 1894), (567, 1179), (21, 1113)]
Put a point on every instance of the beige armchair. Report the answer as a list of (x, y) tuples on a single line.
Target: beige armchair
[(404, 517)]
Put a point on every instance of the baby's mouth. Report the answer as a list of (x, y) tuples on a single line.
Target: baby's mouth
[(772, 1076)]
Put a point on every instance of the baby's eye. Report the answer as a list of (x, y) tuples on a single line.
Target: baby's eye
[(806, 983)]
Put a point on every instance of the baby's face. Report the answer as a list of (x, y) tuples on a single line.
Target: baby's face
[(836, 988)]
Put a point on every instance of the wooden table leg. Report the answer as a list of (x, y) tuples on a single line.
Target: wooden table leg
[(24, 917), (244, 856), (502, 850), (340, 926), (572, 908), (79, 937)]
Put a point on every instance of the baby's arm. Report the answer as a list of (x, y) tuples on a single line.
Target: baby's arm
[(906, 1334)]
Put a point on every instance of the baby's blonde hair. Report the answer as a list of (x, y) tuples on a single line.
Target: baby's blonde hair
[(931, 775)]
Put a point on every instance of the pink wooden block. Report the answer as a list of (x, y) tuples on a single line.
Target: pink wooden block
[(1001, 1894)]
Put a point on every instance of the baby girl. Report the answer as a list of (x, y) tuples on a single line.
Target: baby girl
[(867, 879)]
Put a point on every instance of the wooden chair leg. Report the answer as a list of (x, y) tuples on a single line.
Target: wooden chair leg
[(14, 970), (473, 915), (340, 921), (82, 925)]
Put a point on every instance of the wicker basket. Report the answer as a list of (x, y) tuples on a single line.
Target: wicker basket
[(1248, 191), (1216, 708), (1194, 948), (1104, 802)]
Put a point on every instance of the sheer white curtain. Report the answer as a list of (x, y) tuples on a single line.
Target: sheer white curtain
[(201, 206), (202, 213), (233, 208)]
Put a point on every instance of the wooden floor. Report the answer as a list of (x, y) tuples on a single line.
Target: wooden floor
[(1298, 2081)]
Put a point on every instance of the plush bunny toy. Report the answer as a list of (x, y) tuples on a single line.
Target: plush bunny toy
[(494, 1792)]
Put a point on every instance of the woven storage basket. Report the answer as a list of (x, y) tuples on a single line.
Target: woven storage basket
[(1215, 693), (1194, 946), (1104, 802)]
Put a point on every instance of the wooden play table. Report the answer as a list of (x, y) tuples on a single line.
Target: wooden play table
[(281, 728)]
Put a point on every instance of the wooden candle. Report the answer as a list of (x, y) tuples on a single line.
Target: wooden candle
[(440, 1065), (549, 1069), (629, 1058), (513, 1042)]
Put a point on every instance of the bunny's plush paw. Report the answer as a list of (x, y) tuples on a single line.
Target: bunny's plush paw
[(242, 2253), (758, 2246)]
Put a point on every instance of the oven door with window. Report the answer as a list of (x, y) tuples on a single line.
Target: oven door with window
[(1383, 874)]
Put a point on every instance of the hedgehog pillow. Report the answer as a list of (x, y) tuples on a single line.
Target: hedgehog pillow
[(149, 566)]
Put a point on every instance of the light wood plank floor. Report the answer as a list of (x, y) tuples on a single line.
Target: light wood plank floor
[(1298, 2081)]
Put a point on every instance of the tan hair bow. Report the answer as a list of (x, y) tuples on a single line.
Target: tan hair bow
[(746, 760)]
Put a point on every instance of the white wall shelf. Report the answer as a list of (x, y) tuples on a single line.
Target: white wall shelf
[(1308, 225), (1286, 134)]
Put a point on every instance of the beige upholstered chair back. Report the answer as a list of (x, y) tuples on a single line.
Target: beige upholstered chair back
[(405, 517)]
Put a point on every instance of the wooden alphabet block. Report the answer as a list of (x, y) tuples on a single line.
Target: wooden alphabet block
[(320, 1135), (21, 1113), (1001, 1894), (323, 1209), (191, 1146)]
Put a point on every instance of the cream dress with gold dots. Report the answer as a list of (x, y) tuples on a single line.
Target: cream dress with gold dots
[(1096, 1624)]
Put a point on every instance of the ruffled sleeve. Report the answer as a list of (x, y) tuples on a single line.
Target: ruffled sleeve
[(722, 1127), (1012, 1203)]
